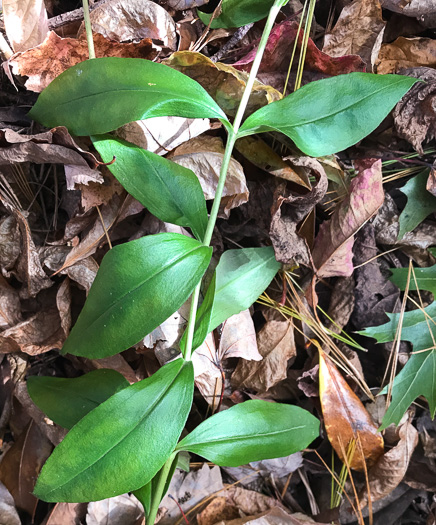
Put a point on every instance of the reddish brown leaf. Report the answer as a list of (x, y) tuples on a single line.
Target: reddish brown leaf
[(333, 248), (346, 418), (44, 63), (21, 464)]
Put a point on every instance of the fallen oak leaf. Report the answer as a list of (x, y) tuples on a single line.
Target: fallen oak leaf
[(332, 252), (345, 417)]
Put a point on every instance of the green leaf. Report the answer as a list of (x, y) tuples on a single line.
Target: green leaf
[(252, 431), (121, 444), (66, 401), (238, 13), (139, 285), (418, 375), (171, 192), (330, 115), (102, 94), (420, 203)]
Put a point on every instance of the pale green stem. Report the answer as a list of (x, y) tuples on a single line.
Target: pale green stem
[(88, 29), (158, 493), (233, 135)]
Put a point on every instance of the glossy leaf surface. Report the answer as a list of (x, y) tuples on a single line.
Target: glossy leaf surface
[(121, 444), (102, 94), (252, 431), (417, 378), (237, 13), (67, 400), (139, 285), (330, 115), (171, 192), (346, 418)]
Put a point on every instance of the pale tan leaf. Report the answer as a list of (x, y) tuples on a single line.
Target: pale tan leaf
[(8, 512), (26, 23), (67, 514), (125, 509), (406, 53)]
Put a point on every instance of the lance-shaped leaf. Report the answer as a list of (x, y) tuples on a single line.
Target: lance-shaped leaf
[(333, 248), (121, 444), (417, 378), (67, 400), (329, 115), (139, 285), (240, 277), (100, 95), (238, 13), (252, 431), (171, 192), (345, 417)]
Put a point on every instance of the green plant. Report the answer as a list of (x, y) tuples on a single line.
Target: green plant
[(128, 440)]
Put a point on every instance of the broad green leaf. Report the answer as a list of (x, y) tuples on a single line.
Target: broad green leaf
[(329, 115), (139, 285), (171, 192), (240, 277), (121, 444), (418, 377), (420, 203), (102, 94), (66, 401), (252, 431), (237, 13)]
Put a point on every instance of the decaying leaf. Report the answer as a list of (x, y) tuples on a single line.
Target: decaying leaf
[(224, 83), (135, 20), (422, 9), (332, 252), (10, 306), (276, 346), (21, 464), (415, 114), (67, 514), (390, 469), (10, 243), (8, 512), (125, 509), (204, 156), (346, 418), (290, 208), (44, 63), (161, 135), (25, 22), (406, 53), (357, 31), (274, 516), (181, 5)]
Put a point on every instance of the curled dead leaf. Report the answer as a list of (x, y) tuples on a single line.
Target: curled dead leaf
[(346, 418), (406, 53), (25, 22)]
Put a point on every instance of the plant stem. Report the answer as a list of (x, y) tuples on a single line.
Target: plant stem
[(88, 29), (233, 136), (158, 493)]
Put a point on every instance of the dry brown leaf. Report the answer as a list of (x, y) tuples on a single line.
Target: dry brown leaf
[(125, 509), (415, 114), (161, 135), (217, 509), (276, 345), (10, 306), (181, 5), (63, 303), (82, 272), (95, 194), (40, 333), (44, 63), (204, 156), (290, 208), (134, 20), (67, 514), (115, 362), (26, 23), (89, 244), (341, 304), (346, 418), (274, 516), (189, 489), (8, 512), (357, 31), (10, 243), (391, 468), (424, 10), (261, 155), (238, 339), (406, 53), (333, 248), (21, 464), (223, 83)]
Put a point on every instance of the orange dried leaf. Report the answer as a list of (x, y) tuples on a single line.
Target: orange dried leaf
[(346, 418)]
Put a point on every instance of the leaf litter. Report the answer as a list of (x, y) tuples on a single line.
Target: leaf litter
[(339, 225)]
